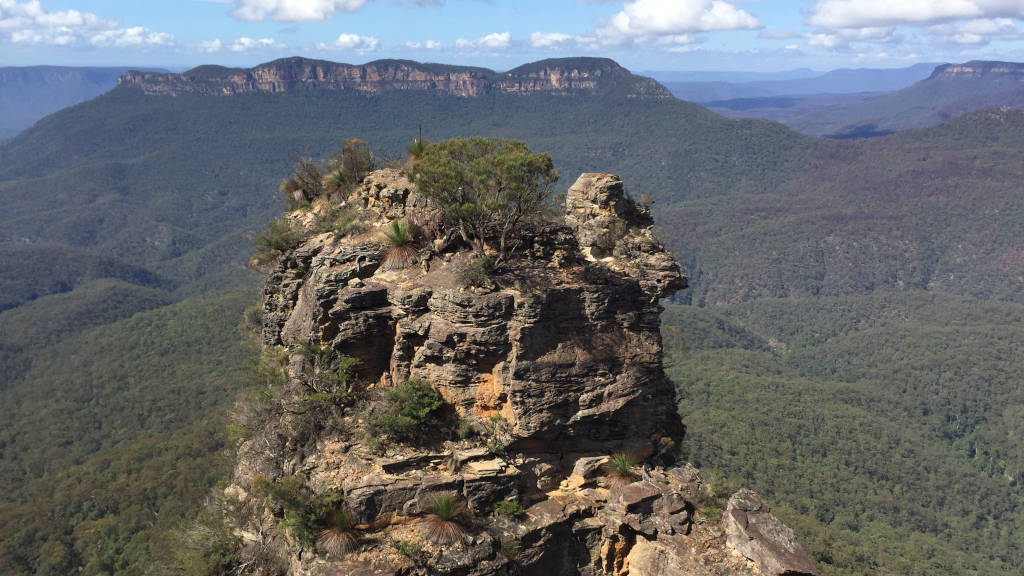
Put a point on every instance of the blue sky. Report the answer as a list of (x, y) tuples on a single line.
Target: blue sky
[(751, 35)]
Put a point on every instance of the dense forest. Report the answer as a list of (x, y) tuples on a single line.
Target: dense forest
[(849, 346)]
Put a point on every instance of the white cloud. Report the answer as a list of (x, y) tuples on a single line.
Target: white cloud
[(353, 42), (867, 13), (425, 45), (30, 23), (823, 40), (492, 41), (978, 32), (245, 44), (301, 10), (136, 36), (668, 17), (210, 46), (548, 39), (293, 10)]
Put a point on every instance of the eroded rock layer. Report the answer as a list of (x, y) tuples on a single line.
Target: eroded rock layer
[(554, 361), (557, 76)]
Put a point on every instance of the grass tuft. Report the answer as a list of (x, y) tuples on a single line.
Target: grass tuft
[(440, 522)]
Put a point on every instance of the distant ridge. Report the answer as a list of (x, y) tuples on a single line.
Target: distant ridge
[(28, 93), (562, 76), (951, 90), (975, 69)]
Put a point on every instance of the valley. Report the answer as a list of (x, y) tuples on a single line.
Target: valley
[(848, 345)]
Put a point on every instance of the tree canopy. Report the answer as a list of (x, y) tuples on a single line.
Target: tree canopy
[(489, 188)]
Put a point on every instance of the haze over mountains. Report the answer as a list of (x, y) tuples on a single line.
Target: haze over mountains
[(711, 87), (949, 91), (849, 346), (29, 93)]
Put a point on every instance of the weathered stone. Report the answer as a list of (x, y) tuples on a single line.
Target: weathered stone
[(638, 497), (554, 365), (761, 537), (585, 469)]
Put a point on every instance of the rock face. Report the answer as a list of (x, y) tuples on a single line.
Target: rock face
[(560, 76), (555, 362), (758, 535)]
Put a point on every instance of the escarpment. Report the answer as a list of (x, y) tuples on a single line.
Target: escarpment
[(552, 426), (557, 76)]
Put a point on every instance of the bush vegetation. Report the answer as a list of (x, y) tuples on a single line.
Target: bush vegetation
[(341, 221), (304, 514), (488, 188), (279, 237), (403, 410), (510, 509)]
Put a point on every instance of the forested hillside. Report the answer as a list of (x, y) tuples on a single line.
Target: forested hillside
[(846, 296), (28, 93)]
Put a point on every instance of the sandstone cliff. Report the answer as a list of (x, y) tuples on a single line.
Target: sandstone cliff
[(975, 69), (556, 76), (551, 366)]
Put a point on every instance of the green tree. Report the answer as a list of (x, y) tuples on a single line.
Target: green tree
[(489, 188)]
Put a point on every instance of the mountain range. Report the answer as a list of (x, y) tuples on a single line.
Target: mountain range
[(819, 269), (950, 91), (710, 87)]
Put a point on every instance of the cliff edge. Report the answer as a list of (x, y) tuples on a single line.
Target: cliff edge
[(563, 76), (552, 437)]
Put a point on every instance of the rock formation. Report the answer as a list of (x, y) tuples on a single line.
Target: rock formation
[(556, 76), (546, 368)]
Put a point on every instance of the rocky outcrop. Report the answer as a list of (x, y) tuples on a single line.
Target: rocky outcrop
[(757, 534), (553, 364), (560, 76)]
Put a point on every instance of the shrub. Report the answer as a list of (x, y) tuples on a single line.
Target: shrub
[(440, 522), (405, 409), (305, 185), (478, 272), (508, 509), (327, 383), (417, 148), (305, 514), (410, 550), (488, 189), (279, 237), (510, 548), (341, 221), (401, 253)]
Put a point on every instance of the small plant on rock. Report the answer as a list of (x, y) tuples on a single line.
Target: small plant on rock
[(279, 237), (401, 252), (440, 522), (620, 467), (478, 272), (339, 537), (342, 221), (508, 509)]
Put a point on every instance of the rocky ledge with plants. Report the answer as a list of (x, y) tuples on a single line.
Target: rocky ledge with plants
[(436, 403)]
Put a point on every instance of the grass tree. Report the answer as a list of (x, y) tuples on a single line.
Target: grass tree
[(441, 520)]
